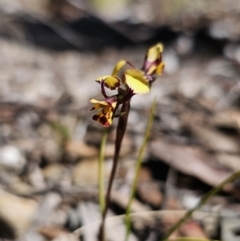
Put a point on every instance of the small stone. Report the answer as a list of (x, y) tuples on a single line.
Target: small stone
[(18, 212), (86, 172), (51, 232), (21, 188), (54, 172), (11, 158), (190, 200), (36, 179), (80, 149)]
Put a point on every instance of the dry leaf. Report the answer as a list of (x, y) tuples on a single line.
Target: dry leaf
[(184, 161), (214, 140), (229, 160), (228, 118)]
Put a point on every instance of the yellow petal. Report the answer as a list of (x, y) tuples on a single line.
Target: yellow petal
[(153, 60), (100, 79), (98, 104), (151, 70), (118, 66), (110, 82), (136, 80), (98, 101), (160, 68), (154, 52)]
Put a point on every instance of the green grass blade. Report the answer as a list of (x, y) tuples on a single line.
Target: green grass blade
[(138, 166), (61, 130), (203, 200), (191, 239), (101, 171)]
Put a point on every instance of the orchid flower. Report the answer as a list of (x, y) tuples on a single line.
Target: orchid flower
[(128, 83)]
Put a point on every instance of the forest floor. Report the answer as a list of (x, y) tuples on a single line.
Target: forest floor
[(49, 144)]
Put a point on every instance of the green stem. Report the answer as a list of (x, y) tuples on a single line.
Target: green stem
[(101, 172), (203, 200), (191, 239), (138, 167)]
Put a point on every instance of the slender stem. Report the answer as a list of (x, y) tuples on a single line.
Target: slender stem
[(101, 172), (121, 127), (127, 96), (138, 167)]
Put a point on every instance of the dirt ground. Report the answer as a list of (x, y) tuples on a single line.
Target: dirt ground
[(50, 54)]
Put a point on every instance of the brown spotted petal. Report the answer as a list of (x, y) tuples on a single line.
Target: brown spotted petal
[(105, 115)]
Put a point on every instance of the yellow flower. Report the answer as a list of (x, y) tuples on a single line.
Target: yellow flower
[(127, 82), (132, 78), (105, 115), (153, 60)]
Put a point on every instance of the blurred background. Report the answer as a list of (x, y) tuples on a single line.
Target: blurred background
[(50, 53)]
